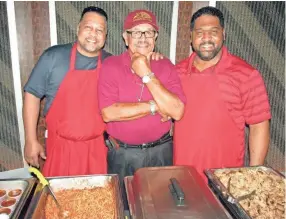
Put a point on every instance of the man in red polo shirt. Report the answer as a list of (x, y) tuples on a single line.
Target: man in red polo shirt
[(137, 99), (223, 94)]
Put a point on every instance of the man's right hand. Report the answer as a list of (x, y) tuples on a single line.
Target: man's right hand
[(165, 117), (140, 64), (34, 150)]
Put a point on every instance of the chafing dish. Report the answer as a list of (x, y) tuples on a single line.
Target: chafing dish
[(37, 207), (14, 194), (222, 189), (171, 192)]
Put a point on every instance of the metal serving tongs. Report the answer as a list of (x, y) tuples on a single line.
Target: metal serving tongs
[(45, 182), (240, 198)]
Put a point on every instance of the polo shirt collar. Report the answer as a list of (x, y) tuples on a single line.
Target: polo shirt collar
[(126, 58), (222, 64)]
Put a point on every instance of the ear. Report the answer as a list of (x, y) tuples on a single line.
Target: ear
[(77, 29), (223, 34), (125, 37), (156, 36)]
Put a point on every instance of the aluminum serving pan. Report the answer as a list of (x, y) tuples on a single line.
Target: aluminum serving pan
[(170, 193), (221, 191), (13, 195), (37, 207)]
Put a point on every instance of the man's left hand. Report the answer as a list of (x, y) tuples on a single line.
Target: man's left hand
[(164, 117)]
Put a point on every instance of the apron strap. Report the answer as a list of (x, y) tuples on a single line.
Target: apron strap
[(99, 61), (73, 58)]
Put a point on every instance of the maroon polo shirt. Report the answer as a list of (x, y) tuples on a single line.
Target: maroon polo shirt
[(117, 84)]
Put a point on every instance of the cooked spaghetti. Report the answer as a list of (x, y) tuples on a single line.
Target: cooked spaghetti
[(91, 203)]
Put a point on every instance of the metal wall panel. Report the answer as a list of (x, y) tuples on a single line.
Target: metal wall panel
[(255, 31), (68, 15), (10, 146)]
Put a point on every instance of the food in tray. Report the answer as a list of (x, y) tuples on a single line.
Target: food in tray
[(11, 196), (89, 203), (268, 200), (8, 202), (6, 211), (15, 193), (2, 193)]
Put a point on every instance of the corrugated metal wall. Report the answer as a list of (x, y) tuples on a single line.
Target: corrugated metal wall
[(255, 31), (68, 15), (10, 146)]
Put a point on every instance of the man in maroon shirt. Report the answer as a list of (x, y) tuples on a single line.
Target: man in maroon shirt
[(138, 98), (223, 94)]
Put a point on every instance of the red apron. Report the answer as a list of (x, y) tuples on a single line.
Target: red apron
[(207, 136), (75, 144)]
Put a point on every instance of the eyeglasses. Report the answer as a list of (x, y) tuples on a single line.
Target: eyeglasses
[(138, 34)]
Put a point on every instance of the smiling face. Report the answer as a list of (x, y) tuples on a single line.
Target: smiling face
[(207, 37), (91, 34), (142, 45)]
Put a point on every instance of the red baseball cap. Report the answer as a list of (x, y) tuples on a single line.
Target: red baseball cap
[(137, 17)]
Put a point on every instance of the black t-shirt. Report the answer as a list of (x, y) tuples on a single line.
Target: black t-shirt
[(51, 69)]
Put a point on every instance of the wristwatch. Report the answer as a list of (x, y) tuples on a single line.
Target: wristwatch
[(147, 78), (152, 107)]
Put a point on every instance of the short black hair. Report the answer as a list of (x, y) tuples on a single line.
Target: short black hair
[(94, 9), (207, 11)]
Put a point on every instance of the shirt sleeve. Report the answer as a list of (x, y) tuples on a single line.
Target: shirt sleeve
[(174, 83), (256, 107), (107, 85), (37, 82)]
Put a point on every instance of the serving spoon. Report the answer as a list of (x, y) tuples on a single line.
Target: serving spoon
[(240, 198), (45, 182)]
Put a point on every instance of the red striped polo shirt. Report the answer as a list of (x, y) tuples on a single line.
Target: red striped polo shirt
[(242, 88)]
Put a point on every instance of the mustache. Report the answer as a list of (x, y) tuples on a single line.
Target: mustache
[(142, 43), (208, 42), (91, 39)]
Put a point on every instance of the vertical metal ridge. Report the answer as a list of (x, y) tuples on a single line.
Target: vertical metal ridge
[(16, 71), (212, 3), (174, 31), (53, 23)]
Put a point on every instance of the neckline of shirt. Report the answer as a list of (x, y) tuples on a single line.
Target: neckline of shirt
[(211, 69)]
